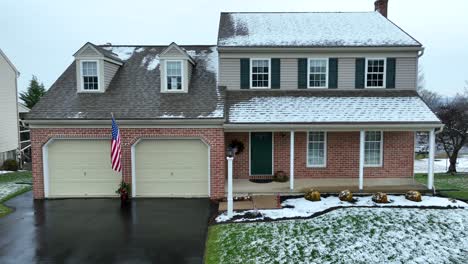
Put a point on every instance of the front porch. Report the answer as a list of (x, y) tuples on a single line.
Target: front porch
[(243, 187)]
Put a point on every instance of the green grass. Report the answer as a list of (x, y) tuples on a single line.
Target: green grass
[(347, 235), (24, 181), (453, 186)]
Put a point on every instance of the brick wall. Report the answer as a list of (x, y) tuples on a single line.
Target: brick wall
[(212, 136), (342, 155)]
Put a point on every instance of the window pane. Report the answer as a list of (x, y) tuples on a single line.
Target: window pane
[(375, 72), (90, 76), (260, 73), (372, 148), (316, 149), (174, 75), (317, 72)]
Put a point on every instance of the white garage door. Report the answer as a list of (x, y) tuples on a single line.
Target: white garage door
[(81, 168), (171, 168)]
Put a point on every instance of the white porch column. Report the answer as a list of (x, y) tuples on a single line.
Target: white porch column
[(430, 165), (291, 161), (362, 137), (229, 196)]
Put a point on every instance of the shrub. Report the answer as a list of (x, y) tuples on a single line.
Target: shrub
[(312, 195), (414, 196), (380, 197), (346, 196), (10, 165), (280, 176)]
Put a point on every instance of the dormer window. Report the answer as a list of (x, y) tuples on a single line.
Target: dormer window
[(174, 70), (89, 75)]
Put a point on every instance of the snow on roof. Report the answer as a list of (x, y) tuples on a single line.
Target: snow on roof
[(311, 29), (123, 53), (289, 109)]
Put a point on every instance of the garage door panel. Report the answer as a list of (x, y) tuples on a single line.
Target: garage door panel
[(171, 168), (80, 168)]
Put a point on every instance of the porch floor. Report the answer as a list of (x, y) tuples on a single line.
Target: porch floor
[(242, 187)]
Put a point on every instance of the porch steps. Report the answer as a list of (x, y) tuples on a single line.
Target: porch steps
[(257, 202)]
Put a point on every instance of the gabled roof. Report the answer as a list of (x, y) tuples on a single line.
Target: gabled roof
[(134, 92), (182, 52), (105, 53), (9, 63), (311, 29), (327, 107)]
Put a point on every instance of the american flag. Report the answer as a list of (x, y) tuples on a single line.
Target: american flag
[(116, 152)]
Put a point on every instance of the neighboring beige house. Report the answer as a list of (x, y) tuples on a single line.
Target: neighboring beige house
[(9, 134)]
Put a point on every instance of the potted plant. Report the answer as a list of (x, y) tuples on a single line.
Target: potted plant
[(124, 192)]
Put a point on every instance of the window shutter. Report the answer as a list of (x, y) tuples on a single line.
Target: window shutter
[(332, 73), (302, 73), (360, 72), (244, 73), (275, 73), (390, 74)]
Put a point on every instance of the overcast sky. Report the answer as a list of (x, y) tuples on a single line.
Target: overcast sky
[(41, 36)]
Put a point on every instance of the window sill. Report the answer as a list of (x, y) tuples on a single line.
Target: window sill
[(373, 166), (316, 166), (181, 91)]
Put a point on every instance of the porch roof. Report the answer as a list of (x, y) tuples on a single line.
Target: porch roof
[(328, 107)]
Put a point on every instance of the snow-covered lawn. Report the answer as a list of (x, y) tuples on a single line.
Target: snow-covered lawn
[(300, 207), (11, 184), (441, 165), (346, 235)]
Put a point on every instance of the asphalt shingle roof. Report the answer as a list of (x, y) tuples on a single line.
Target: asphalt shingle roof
[(310, 29), (134, 92), (331, 106)]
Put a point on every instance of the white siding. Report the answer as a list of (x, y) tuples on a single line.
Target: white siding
[(109, 72), (8, 107), (406, 73), (88, 52), (406, 70), (346, 73)]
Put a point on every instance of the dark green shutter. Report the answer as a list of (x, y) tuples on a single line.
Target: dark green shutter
[(275, 73), (360, 72), (391, 62), (332, 73), (302, 73), (245, 73)]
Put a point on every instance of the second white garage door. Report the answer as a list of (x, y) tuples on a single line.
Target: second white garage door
[(171, 168)]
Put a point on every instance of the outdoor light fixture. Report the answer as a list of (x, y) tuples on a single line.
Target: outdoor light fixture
[(229, 152)]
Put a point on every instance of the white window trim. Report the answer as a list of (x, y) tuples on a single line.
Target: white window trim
[(384, 73), (182, 69), (326, 73), (98, 71), (269, 73), (324, 165), (381, 150)]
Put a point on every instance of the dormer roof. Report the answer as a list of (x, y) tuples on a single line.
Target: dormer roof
[(173, 47), (99, 51)]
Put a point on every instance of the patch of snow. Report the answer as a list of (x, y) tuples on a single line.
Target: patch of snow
[(77, 115), (191, 53), (140, 49), (172, 116), (151, 61), (441, 165), (8, 188), (263, 109), (305, 208), (124, 53), (313, 29), (4, 172)]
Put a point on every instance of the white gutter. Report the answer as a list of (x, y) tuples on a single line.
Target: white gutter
[(329, 127)]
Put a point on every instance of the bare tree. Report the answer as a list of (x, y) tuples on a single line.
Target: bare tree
[(454, 115), (432, 99)]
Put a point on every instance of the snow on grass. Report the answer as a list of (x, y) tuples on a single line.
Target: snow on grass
[(347, 235), (4, 172), (441, 165), (300, 207), (6, 189)]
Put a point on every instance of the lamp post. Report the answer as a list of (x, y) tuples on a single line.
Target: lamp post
[(230, 158)]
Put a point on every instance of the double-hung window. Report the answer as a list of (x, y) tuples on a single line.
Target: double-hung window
[(260, 73), (318, 73), (375, 73), (373, 148), (90, 77), (174, 75), (317, 149)]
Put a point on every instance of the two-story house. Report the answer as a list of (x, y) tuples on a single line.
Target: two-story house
[(318, 96)]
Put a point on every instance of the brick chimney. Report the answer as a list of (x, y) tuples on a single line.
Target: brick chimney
[(381, 6)]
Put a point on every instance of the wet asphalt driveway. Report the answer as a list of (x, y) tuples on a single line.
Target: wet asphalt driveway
[(97, 231)]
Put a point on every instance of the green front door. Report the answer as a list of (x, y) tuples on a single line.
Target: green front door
[(261, 153)]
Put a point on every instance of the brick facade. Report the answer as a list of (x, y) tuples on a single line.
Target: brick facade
[(212, 136), (342, 156)]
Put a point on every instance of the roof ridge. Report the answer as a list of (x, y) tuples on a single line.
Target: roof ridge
[(294, 12), (145, 45)]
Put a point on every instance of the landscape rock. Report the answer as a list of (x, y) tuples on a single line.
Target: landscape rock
[(380, 197), (414, 196), (346, 196), (312, 195)]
